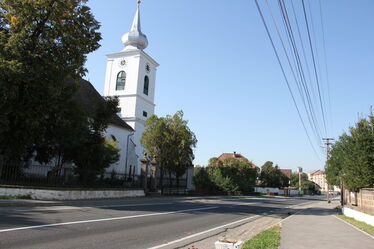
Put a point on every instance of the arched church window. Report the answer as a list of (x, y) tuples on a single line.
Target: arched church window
[(146, 85), (121, 80)]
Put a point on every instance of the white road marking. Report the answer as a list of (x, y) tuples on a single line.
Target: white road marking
[(56, 208), (206, 231), (105, 219), (215, 228)]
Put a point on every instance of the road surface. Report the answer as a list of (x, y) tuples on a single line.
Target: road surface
[(132, 224)]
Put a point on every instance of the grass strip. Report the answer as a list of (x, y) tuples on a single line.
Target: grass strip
[(359, 224), (268, 239)]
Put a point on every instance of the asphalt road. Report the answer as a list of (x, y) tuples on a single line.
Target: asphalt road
[(145, 223)]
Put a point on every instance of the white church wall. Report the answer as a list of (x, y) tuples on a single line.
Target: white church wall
[(151, 75), (120, 135), (114, 67), (128, 106), (137, 64)]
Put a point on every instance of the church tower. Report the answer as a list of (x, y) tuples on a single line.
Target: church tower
[(131, 75)]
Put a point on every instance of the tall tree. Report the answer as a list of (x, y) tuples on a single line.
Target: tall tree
[(271, 176), (170, 141), (352, 157), (42, 43)]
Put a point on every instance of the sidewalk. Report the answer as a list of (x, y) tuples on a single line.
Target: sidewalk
[(317, 228)]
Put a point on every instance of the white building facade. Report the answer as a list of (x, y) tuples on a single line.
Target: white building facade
[(131, 76)]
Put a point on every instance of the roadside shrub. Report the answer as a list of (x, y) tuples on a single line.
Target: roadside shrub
[(223, 179)]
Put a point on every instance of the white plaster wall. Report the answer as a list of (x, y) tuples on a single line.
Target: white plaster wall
[(190, 185), (128, 106), (139, 150), (367, 218), (113, 68), (133, 158), (293, 192), (132, 99), (121, 136), (265, 190), (41, 194)]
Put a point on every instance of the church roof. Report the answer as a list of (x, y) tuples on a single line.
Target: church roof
[(89, 99)]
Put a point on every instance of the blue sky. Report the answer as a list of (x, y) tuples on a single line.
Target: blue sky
[(218, 66)]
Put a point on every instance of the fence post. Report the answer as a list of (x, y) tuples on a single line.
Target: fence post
[(144, 171), (154, 175)]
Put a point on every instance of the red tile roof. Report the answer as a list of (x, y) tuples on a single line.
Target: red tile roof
[(317, 172), (234, 155), (287, 172)]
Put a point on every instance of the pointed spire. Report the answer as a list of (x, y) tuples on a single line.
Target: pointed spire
[(135, 39), (136, 23)]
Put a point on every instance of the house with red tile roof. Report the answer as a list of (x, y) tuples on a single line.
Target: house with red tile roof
[(236, 156), (287, 172)]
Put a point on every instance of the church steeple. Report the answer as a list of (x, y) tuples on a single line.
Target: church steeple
[(135, 39)]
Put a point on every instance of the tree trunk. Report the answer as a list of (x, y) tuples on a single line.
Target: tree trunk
[(162, 179), (177, 176), (170, 180)]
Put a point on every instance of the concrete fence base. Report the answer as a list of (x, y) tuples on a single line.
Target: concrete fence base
[(44, 194), (367, 218)]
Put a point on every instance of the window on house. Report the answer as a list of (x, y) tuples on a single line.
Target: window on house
[(145, 114), (146, 85), (113, 137), (121, 80)]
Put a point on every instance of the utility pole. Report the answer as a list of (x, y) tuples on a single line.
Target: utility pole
[(300, 171), (327, 143)]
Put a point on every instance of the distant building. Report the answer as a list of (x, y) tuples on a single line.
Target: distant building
[(287, 172), (236, 156), (319, 177)]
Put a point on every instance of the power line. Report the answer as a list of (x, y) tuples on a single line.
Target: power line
[(309, 110), (284, 75), (314, 66), (326, 67)]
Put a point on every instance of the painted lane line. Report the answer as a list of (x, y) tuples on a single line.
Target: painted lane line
[(216, 228), (206, 231), (56, 208), (105, 219)]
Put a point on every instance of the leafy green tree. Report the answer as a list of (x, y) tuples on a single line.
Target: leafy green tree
[(202, 181), (271, 176), (170, 141), (184, 141), (214, 161), (42, 44), (92, 153), (229, 176), (352, 157), (294, 181), (305, 183)]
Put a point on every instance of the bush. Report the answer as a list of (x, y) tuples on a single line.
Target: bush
[(223, 179)]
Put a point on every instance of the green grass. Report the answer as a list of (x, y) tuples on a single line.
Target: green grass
[(359, 224), (12, 197), (268, 239)]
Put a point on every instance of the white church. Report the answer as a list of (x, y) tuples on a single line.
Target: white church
[(131, 76)]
